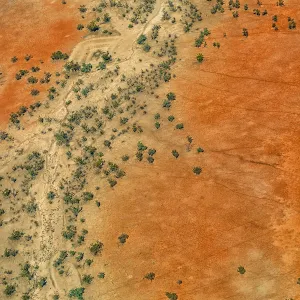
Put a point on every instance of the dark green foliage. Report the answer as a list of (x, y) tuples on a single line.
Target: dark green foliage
[(241, 270), (146, 47), (157, 116), (151, 152), (87, 196), (171, 296), (245, 32), (31, 207), (175, 153), (25, 271), (80, 27), (50, 195), (70, 232), (72, 66), (10, 252), (166, 104), (292, 23), (58, 55), (87, 279), (32, 80), (112, 182), (42, 282), (16, 235), (82, 8), (107, 143), (197, 170), (200, 58), (86, 68), (150, 276), (171, 96), (141, 146), (179, 126), (139, 155), (171, 118), (77, 293), (150, 159), (89, 262), (123, 238), (96, 248), (101, 275), (93, 26), (63, 138), (106, 18), (125, 157), (141, 39), (201, 39), (101, 66), (9, 290), (34, 92), (199, 150), (157, 125)]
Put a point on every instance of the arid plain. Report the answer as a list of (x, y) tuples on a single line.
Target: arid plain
[(160, 157)]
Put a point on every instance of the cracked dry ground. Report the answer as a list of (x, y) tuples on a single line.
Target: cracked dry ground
[(242, 105)]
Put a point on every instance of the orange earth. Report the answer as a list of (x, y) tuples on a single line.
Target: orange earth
[(242, 106), (37, 28)]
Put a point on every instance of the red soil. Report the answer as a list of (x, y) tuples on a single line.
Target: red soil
[(37, 28), (242, 106)]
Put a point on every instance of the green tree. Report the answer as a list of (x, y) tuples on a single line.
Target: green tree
[(150, 276), (77, 293), (96, 248), (200, 58), (9, 290)]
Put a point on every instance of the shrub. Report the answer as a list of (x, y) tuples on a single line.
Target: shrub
[(150, 159), (77, 293), (82, 8), (199, 150), (80, 27), (200, 58), (96, 248), (241, 270), (171, 296), (58, 55), (123, 238), (150, 276), (101, 275), (175, 153), (87, 279), (106, 18), (171, 118), (151, 152), (16, 235), (86, 68), (93, 26), (179, 126), (42, 282), (197, 170), (245, 32), (146, 47), (141, 146), (171, 96), (9, 289), (141, 39)]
